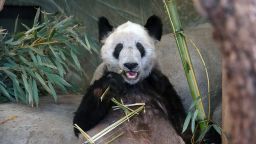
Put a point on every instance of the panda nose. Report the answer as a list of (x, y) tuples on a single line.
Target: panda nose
[(131, 66)]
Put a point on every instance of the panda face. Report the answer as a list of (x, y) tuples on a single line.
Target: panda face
[(131, 49)]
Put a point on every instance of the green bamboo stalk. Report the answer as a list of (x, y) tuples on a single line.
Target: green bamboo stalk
[(170, 6)]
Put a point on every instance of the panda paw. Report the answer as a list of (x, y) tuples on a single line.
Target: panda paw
[(115, 83)]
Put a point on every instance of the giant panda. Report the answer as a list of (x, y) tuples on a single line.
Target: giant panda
[(130, 49)]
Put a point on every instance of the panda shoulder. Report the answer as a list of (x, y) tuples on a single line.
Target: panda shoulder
[(99, 72), (157, 66)]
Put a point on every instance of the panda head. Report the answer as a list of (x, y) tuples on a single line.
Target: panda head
[(130, 47)]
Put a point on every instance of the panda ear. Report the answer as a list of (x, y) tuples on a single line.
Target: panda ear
[(154, 26), (104, 28)]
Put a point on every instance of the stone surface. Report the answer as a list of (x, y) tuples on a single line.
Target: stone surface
[(50, 123)]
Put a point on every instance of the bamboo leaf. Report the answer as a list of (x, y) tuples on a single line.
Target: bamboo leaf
[(60, 68), (39, 60), (10, 74), (193, 122), (26, 85), (58, 80), (217, 128), (194, 103), (75, 59), (49, 65), (72, 47), (11, 62), (18, 92), (202, 134), (37, 51), (16, 88), (35, 93), (30, 93), (5, 92), (41, 80), (34, 29), (16, 25), (64, 22), (25, 26), (62, 55), (53, 52), (24, 60), (32, 56), (13, 43), (45, 70), (15, 91), (29, 71), (87, 41), (186, 123), (52, 32), (37, 16), (75, 35), (53, 92), (62, 87)]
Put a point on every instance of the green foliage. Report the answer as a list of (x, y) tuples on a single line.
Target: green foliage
[(36, 60), (186, 123)]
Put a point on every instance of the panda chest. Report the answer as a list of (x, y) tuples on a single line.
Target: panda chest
[(141, 126), (135, 97), (151, 112)]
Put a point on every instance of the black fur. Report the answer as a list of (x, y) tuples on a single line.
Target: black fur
[(141, 48), (104, 28), (91, 109), (172, 101), (175, 109), (155, 27), (117, 50)]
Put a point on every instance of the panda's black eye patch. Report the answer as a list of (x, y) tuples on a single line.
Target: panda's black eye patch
[(117, 50), (141, 48)]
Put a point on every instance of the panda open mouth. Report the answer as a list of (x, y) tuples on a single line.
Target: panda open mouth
[(131, 74)]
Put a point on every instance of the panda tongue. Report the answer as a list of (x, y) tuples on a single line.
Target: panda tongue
[(131, 74)]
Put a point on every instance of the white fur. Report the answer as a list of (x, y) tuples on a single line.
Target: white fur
[(129, 34)]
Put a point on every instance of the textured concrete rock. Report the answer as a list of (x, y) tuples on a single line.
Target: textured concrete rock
[(49, 124)]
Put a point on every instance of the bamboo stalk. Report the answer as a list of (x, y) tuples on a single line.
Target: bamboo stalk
[(171, 9)]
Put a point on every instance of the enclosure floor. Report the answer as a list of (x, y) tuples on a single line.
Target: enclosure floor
[(50, 123)]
